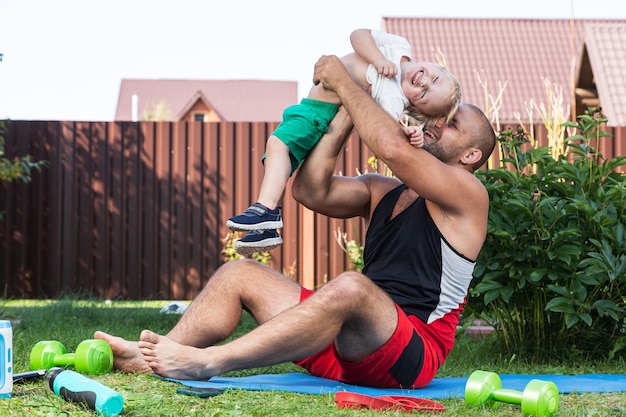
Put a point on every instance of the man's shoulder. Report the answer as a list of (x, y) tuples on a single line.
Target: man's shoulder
[(375, 179), (379, 185)]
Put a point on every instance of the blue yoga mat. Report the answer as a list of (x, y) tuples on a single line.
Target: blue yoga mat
[(438, 388)]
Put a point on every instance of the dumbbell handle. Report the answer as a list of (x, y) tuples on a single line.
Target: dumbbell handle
[(66, 359), (509, 396)]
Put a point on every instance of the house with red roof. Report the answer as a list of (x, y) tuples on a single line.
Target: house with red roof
[(205, 100), (508, 64)]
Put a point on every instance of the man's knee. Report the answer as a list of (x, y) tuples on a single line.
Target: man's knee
[(238, 265), (351, 285), (238, 270)]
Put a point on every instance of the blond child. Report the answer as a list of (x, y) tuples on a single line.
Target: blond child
[(381, 64)]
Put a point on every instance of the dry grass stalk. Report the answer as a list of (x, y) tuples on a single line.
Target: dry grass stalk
[(553, 115), (492, 107)]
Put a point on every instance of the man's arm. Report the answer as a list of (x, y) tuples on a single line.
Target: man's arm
[(315, 184), (436, 181)]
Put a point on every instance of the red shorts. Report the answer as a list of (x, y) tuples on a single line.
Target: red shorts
[(405, 361)]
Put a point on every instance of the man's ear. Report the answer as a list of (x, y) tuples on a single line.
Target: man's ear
[(471, 156)]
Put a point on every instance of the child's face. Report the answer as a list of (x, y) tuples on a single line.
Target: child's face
[(427, 87)]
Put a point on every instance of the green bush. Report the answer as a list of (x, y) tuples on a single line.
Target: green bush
[(552, 273)]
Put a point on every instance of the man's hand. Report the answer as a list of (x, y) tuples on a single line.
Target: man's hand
[(330, 71)]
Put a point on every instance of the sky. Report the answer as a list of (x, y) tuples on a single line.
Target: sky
[(65, 59)]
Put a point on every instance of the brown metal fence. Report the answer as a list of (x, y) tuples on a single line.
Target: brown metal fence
[(138, 210)]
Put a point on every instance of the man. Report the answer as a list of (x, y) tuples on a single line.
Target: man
[(391, 326)]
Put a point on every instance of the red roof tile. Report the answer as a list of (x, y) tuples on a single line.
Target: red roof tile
[(518, 52), (232, 100)]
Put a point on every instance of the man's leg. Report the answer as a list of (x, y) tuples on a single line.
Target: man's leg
[(216, 311), (350, 310)]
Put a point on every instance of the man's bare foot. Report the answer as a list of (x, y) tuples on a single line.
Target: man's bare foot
[(127, 357), (173, 360)]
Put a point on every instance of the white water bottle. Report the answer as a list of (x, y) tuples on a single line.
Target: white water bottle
[(6, 359)]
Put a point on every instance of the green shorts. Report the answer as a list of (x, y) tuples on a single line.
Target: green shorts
[(302, 127)]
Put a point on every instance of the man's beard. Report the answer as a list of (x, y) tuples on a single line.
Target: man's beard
[(437, 151)]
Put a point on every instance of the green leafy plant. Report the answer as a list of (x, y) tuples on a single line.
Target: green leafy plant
[(18, 168), (230, 254), (353, 250), (552, 273)]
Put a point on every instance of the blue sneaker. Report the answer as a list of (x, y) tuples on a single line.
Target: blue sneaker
[(256, 217), (258, 241)]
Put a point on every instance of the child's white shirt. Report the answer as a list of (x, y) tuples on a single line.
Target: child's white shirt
[(388, 91)]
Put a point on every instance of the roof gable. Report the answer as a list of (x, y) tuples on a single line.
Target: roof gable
[(233, 100), (199, 96), (518, 53), (605, 52)]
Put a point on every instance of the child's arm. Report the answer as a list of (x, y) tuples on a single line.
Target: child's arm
[(364, 45), (413, 130), (415, 135)]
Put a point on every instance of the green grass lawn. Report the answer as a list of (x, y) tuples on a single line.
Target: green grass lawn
[(70, 321)]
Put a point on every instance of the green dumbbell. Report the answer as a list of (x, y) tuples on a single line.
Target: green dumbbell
[(539, 398), (93, 356)]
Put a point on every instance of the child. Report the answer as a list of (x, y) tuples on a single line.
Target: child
[(381, 64)]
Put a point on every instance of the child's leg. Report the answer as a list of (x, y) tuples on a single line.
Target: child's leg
[(263, 217), (277, 171), (264, 214)]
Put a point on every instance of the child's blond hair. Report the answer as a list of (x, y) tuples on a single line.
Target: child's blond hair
[(455, 100)]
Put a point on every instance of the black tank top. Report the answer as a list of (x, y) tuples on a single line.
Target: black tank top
[(409, 259)]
